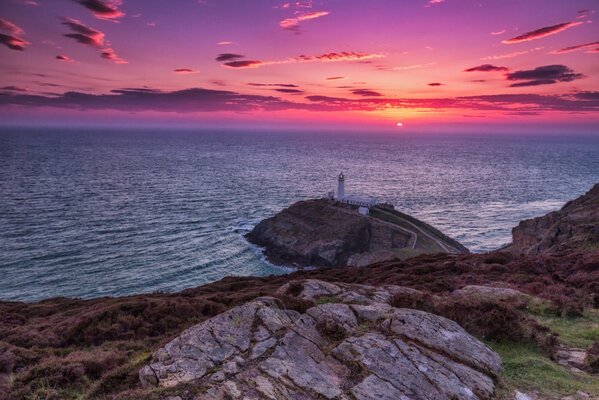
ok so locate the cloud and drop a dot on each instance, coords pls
(285, 85)
(106, 10)
(495, 33)
(332, 78)
(11, 27)
(590, 47)
(14, 89)
(545, 75)
(228, 57)
(293, 23)
(30, 2)
(62, 57)
(225, 43)
(185, 71)
(433, 2)
(485, 68)
(12, 42)
(366, 93)
(244, 64)
(196, 100)
(542, 32)
(511, 55)
(413, 66)
(83, 34)
(342, 56)
(12, 39)
(292, 91)
(327, 57)
(91, 37)
(587, 95)
(109, 54)
(436, 84)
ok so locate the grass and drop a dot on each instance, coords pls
(578, 332)
(527, 369)
(327, 299)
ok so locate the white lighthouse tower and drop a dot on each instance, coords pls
(341, 187)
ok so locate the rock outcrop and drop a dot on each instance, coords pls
(351, 345)
(325, 233)
(574, 226)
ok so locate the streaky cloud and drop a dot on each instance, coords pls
(294, 22)
(542, 32)
(107, 10)
(485, 68)
(366, 93)
(228, 57)
(13, 42)
(590, 47)
(197, 100)
(545, 75)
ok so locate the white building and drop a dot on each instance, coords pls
(353, 200)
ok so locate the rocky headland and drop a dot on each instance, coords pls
(520, 323)
(327, 233)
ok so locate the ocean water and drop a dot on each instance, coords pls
(88, 213)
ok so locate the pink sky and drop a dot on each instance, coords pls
(300, 64)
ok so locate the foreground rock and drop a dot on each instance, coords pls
(353, 346)
(575, 226)
(326, 233)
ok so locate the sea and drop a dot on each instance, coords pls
(89, 212)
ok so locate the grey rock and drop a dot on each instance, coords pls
(364, 350)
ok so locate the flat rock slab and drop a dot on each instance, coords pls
(357, 348)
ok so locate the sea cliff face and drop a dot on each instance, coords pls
(326, 233)
(574, 226)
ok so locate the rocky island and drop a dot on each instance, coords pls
(518, 323)
(329, 233)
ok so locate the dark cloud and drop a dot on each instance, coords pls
(63, 58)
(285, 85)
(13, 42)
(244, 64)
(587, 95)
(292, 91)
(185, 71)
(91, 37)
(589, 47)
(332, 78)
(228, 57)
(14, 89)
(366, 93)
(545, 75)
(542, 32)
(83, 34)
(103, 9)
(110, 54)
(536, 82)
(486, 68)
(207, 100)
(436, 84)
(12, 39)
(11, 27)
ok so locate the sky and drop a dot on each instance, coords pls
(308, 64)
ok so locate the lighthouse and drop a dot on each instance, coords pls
(341, 187)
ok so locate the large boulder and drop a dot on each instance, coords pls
(353, 345)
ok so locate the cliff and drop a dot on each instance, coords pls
(574, 226)
(326, 233)
(432, 326)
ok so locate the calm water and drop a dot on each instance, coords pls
(95, 213)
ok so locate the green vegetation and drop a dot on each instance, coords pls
(578, 332)
(526, 368)
(327, 299)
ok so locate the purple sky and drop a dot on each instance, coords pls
(368, 64)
